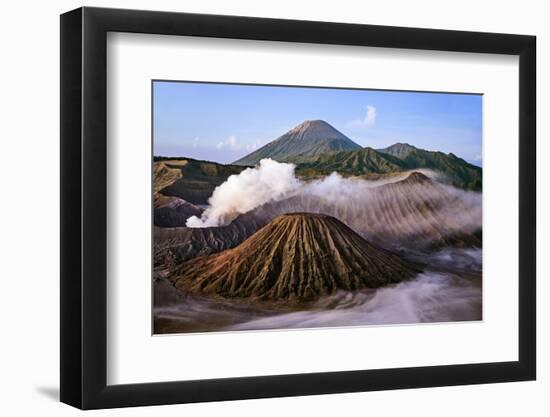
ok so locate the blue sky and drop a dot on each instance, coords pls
(223, 122)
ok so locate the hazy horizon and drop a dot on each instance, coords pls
(224, 122)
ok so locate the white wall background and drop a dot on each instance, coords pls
(29, 295)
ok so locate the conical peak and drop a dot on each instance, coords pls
(298, 256)
(417, 177)
(302, 216)
(318, 128)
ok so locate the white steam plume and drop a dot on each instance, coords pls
(253, 187)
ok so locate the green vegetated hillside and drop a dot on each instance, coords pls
(367, 161)
(360, 162)
(457, 171)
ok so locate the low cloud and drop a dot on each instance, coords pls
(368, 121)
(229, 143)
(232, 143)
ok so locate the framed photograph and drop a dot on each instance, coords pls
(256, 208)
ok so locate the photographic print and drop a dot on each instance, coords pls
(283, 207)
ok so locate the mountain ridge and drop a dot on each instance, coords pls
(317, 148)
(396, 158)
(457, 171)
(357, 162)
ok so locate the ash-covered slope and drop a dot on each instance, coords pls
(415, 213)
(306, 141)
(172, 211)
(296, 257)
(173, 245)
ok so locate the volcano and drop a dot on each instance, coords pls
(296, 257)
(305, 142)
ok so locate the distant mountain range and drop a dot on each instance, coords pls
(319, 149)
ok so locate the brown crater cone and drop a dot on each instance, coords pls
(296, 257)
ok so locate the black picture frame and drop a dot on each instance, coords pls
(84, 207)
